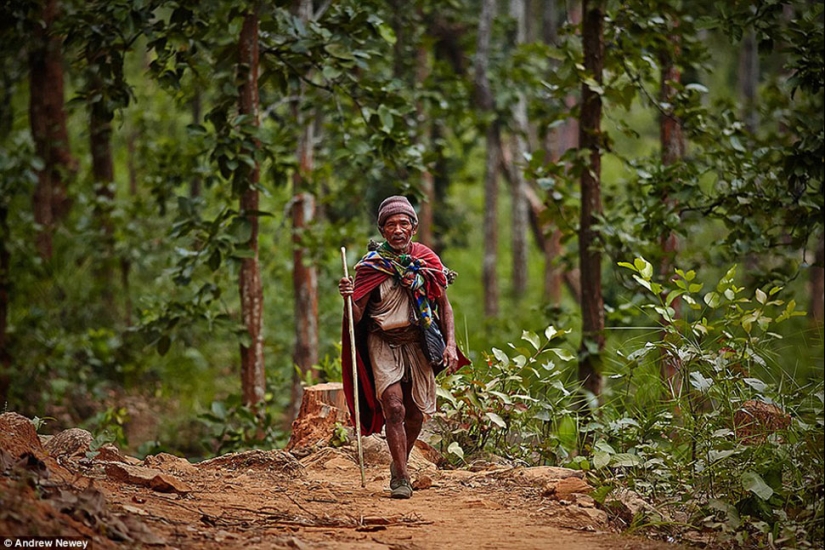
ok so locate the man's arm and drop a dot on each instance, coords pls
(346, 286)
(445, 310)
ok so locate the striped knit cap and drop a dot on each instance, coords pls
(395, 205)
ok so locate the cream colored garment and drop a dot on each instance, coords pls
(389, 362)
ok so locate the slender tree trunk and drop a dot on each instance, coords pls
(817, 283)
(425, 211)
(592, 303)
(749, 79)
(518, 188)
(100, 143)
(47, 117)
(195, 183)
(672, 144)
(253, 377)
(304, 275)
(5, 295)
(558, 140)
(484, 98)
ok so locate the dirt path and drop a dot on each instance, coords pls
(271, 499)
(264, 500)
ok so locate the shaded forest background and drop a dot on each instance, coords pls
(644, 178)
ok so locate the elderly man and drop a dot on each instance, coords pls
(400, 304)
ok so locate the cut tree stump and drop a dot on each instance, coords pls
(322, 407)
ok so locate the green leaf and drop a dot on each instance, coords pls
(761, 297)
(387, 33)
(497, 420)
(164, 344)
(563, 354)
(626, 460)
(700, 382)
(551, 332)
(644, 268)
(600, 459)
(501, 357)
(712, 299)
(753, 482)
(531, 337)
(456, 449)
(756, 384)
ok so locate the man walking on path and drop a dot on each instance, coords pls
(404, 336)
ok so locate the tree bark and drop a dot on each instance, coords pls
(749, 79)
(100, 143)
(47, 117)
(518, 188)
(304, 275)
(5, 295)
(672, 143)
(253, 377)
(817, 283)
(484, 99)
(425, 211)
(557, 141)
(592, 303)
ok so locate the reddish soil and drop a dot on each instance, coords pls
(271, 499)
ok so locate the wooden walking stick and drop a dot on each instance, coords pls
(354, 372)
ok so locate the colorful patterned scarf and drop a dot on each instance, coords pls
(424, 282)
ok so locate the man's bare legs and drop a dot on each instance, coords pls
(403, 424)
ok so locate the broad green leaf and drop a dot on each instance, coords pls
(626, 460)
(551, 332)
(600, 459)
(756, 384)
(753, 482)
(605, 447)
(644, 268)
(761, 297)
(456, 449)
(531, 337)
(563, 354)
(700, 382)
(497, 420)
(716, 456)
(501, 357)
(712, 299)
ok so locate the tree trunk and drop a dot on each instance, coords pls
(100, 143)
(520, 216)
(195, 183)
(672, 143)
(5, 291)
(253, 377)
(749, 79)
(425, 211)
(304, 275)
(47, 118)
(484, 99)
(592, 303)
(558, 140)
(817, 283)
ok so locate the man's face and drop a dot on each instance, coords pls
(398, 230)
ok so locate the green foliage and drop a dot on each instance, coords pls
(516, 406)
(233, 426)
(681, 442)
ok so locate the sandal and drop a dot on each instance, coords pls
(402, 489)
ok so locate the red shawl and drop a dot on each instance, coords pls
(367, 280)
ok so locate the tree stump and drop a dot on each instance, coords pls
(322, 407)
